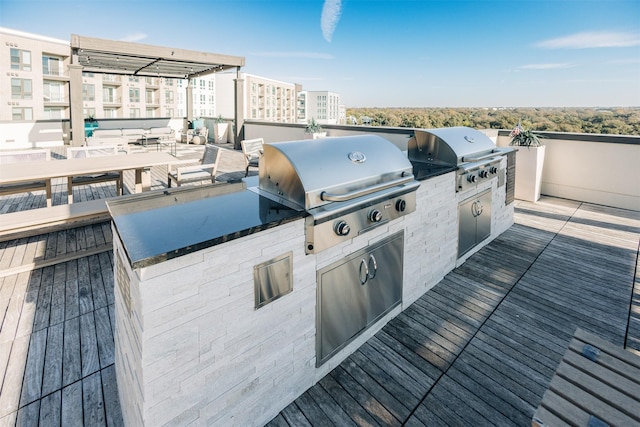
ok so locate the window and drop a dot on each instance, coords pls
(51, 65)
(134, 95)
(203, 99)
(21, 89)
(169, 82)
(20, 60)
(211, 85)
(53, 92)
(168, 97)
(89, 112)
(88, 92)
(53, 113)
(134, 79)
(149, 96)
(134, 113)
(109, 95)
(151, 112)
(21, 113)
(169, 112)
(203, 84)
(110, 113)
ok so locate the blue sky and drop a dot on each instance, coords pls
(387, 53)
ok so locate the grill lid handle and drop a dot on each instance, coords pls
(477, 159)
(328, 197)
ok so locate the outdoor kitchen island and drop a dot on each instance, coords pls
(218, 291)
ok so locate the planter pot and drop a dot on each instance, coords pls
(315, 135)
(220, 131)
(529, 163)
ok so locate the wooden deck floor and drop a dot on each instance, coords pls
(478, 349)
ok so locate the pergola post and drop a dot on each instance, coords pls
(239, 111)
(75, 105)
(189, 103)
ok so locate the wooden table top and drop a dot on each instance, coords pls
(34, 171)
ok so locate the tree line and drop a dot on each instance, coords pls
(618, 121)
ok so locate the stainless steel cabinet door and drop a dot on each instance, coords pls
(355, 292)
(474, 216)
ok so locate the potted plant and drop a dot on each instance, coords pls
(220, 129)
(314, 130)
(90, 123)
(529, 163)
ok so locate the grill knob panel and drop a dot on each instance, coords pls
(342, 228)
(472, 178)
(375, 215)
(401, 205)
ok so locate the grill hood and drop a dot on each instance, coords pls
(312, 173)
(453, 146)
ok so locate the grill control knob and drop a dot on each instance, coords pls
(472, 178)
(375, 215)
(484, 174)
(401, 205)
(342, 228)
(493, 170)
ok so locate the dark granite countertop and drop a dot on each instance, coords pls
(164, 225)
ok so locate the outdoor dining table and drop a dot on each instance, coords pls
(68, 168)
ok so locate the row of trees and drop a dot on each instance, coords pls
(619, 121)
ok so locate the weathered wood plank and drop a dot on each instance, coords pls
(93, 401)
(43, 306)
(12, 384)
(29, 415)
(71, 365)
(72, 413)
(111, 399)
(58, 295)
(32, 382)
(88, 345)
(84, 287)
(104, 337)
(51, 409)
(346, 403)
(294, 416)
(52, 377)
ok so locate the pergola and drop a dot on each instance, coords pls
(135, 59)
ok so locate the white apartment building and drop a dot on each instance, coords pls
(264, 98)
(323, 106)
(34, 77)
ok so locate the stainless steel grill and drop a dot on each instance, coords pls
(473, 153)
(348, 185)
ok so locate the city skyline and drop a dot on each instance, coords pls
(492, 53)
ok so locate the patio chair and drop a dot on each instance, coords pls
(204, 171)
(252, 150)
(94, 151)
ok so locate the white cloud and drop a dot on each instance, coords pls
(303, 55)
(545, 66)
(135, 37)
(592, 39)
(330, 17)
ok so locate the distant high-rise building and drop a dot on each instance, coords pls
(264, 98)
(322, 106)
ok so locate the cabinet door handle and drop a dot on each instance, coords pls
(363, 272)
(372, 266)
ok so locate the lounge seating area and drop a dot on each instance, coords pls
(131, 136)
